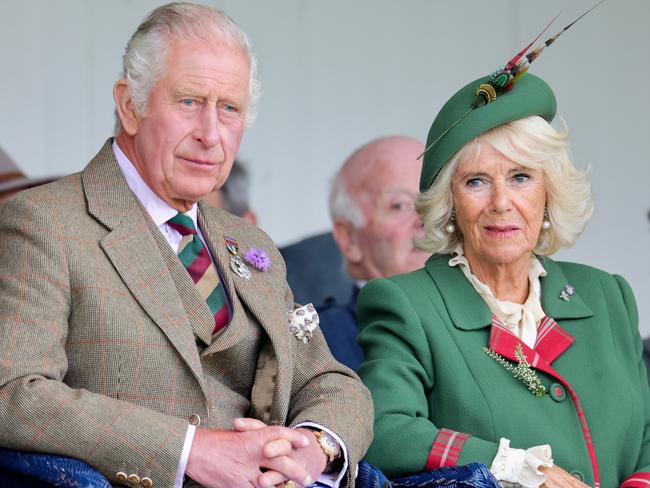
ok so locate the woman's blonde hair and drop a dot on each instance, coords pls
(530, 142)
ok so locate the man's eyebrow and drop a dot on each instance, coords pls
(187, 92)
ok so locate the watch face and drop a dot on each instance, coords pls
(328, 444)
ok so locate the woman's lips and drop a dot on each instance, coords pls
(501, 231)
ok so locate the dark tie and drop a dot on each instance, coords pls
(199, 265)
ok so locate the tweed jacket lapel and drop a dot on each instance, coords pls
(132, 246)
(213, 232)
(258, 294)
(262, 297)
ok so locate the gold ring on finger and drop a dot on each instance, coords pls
(289, 484)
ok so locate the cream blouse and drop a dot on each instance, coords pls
(515, 467)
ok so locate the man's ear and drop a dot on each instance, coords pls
(345, 235)
(124, 107)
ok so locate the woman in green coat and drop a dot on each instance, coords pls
(493, 352)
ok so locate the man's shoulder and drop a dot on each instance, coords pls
(54, 196)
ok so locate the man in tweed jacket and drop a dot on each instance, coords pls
(107, 350)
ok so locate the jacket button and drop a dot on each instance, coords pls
(146, 482)
(195, 420)
(121, 476)
(577, 475)
(134, 479)
(557, 391)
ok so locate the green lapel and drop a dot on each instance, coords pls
(552, 285)
(466, 308)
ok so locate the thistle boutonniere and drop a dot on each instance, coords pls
(523, 372)
(258, 259)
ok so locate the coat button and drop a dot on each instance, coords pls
(146, 482)
(195, 420)
(134, 479)
(577, 475)
(121, 476)
(557, 391)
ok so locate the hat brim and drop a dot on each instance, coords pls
(530, 96)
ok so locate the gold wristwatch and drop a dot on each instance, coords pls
(328, 444)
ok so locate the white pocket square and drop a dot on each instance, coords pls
(303, 321)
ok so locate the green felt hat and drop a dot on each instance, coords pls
(529, 96)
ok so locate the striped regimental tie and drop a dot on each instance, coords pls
(199, 265)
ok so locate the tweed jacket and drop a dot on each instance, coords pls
(106, 348)
(441, 400)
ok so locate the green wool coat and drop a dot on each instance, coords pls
(423, 335)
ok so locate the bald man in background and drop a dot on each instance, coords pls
(374, 225)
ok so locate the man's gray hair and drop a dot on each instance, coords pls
(144, 59)
(342, 204)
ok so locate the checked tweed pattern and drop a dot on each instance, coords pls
(199, 265)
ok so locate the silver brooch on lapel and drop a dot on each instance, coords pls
(567, 292)
(236, 263)
(303, 321)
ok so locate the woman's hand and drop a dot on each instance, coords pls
(556, 477)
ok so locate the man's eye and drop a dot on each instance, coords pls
(188, 102)
(230, 108)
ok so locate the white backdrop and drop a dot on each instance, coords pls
(339, 73)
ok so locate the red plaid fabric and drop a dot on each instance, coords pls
(552, 340)
(637, 480)
(446, 449)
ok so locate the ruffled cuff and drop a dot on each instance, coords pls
(520, 466)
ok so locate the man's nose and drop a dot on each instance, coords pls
(207, 130)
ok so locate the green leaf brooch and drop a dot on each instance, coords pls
(523, 372)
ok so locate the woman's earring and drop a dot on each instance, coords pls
(546, 223)
(450, 227)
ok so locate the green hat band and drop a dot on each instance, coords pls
(530, 96)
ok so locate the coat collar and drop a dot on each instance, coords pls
(259, 293)
(466, 308)
(468, 311)
(552, 285)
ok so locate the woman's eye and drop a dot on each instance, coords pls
(474, 182)
(521, 177)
